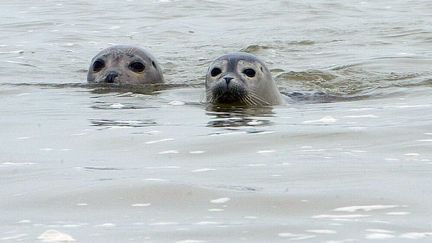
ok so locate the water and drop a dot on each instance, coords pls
(349, 159)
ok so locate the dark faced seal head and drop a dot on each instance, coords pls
(241, 78)
(123, 64)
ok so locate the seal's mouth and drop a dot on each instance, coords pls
(102, 82)
(228, 97)
(234, 93)
(228, 94)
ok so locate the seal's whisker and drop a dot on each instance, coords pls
(251, 100)
(258, 98)
(245, 99)
(210, 96)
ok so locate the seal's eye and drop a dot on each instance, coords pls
(249, 72)
(98, 65)
(215, 72)
(137, 67)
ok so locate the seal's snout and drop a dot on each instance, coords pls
(110, 78)
(228, 80)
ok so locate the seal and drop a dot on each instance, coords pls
(241, 78)
(123, 64)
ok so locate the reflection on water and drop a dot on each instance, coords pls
(122, 123)
(100, 168)
(235, 121)
(108, 106)
(146, 89)
(238, 116)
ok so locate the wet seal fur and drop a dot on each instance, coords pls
(241, 78)
(124, 64)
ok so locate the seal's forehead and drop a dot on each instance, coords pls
(233, 58)
(114, 52)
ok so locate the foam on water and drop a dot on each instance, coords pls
(13, 237)
(163, 223)
(367, 208)
(160, 140)
(416, 235)
(197, 152)
(55, 236)
(324, 120)
(106, 225)
(220, 200)
(141, 204)
(379, 236)
(322, 231)
(169, 152)
(340, 216)
(202, 170)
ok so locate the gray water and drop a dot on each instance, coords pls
(347, 160)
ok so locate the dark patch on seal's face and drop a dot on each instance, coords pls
(124, 65)
(235, 78)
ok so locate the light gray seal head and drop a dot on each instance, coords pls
(241, 78)
(122, 64)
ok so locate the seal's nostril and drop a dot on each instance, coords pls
(110, 78)
(228, 79)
